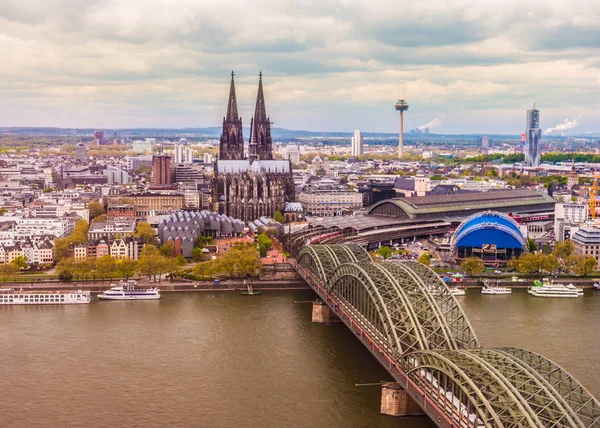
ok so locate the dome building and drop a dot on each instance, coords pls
(491, 236)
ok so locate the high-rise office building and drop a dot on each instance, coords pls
(99, 138)
(188, 155)
(293, 154)
(357, 143)
(178, 154)
(161, 170)
(533, 138)
(81, 152)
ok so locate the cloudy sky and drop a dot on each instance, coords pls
(469, 66)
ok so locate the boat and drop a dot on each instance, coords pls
(8, 296)
(129, 291)
(490, 289)
(457, 291)
(550, 289)
(597, 285)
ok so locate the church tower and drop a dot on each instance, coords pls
(260, 132)
(232, 140)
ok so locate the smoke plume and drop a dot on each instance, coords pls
(562, 127)
(430, 125)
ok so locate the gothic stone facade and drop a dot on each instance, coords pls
(248, 188)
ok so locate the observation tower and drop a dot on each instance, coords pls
(401, 106)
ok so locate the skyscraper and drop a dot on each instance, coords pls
(357, 143)
(99, 138)
(533, 137)
(188, 155)
(161, 170)
(178, 154)
(81, 152)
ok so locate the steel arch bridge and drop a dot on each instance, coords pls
(407, 317)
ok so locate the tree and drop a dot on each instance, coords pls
(531, 245)
(7, 270)
(385, 252)
(513, 264)
(197, 254)
(126, 268)
(472, 266)
(20, 262)
(101, 218)
(278, 217)
(582, 265)
(168, 249)
(424, 258)
(96, 209)
(265, 241)
(146, 232)
(563, 249)
(61, 249)
(79, 234)
(106, 267)
(180, 260)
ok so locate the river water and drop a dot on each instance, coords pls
(209, 359)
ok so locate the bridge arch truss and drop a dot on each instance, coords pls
(410, 314)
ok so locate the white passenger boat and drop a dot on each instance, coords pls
(458, 291)
(597, 285)
(548, 289)
(490, 289)
(129, 291)
(8, 296)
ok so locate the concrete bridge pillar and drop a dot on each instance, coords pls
(396, 402)
(322, 314)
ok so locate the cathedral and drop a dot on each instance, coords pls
(248, 187)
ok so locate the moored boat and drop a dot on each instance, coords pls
(490, 289)
(457, 291)
(549, 289)
(8, 296)
(129, 291)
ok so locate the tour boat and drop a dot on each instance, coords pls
(490, 289)
(129, 291)
(548, 289)
(457, 291)
(8, 296)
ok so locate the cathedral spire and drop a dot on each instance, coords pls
(260, 112)
(261, 127)
(232, 140)
(232, 110)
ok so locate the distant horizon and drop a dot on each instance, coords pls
(278, 129)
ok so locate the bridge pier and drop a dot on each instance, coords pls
(322, 314)
(396, 402)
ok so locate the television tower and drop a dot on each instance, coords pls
(401, 106)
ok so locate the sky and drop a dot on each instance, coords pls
(468, 66)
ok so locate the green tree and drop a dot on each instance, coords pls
(385, 252)
(61, 249)
(96, 209)
(278, 217)
(146, 232)
(79, 234)
(513, 264)
(582, 265)
(126, 268)
(168, 249)
(20, 262)
(425, 258)
(197, 254)
(180, 260)
(7, 270)
(531, 245)
(106, 267)
(472, 266)
(562, 251)
(265, 241)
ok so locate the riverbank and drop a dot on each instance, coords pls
(165, 286)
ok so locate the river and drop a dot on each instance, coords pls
(218, 359)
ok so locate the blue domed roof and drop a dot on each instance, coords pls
(489, 228)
